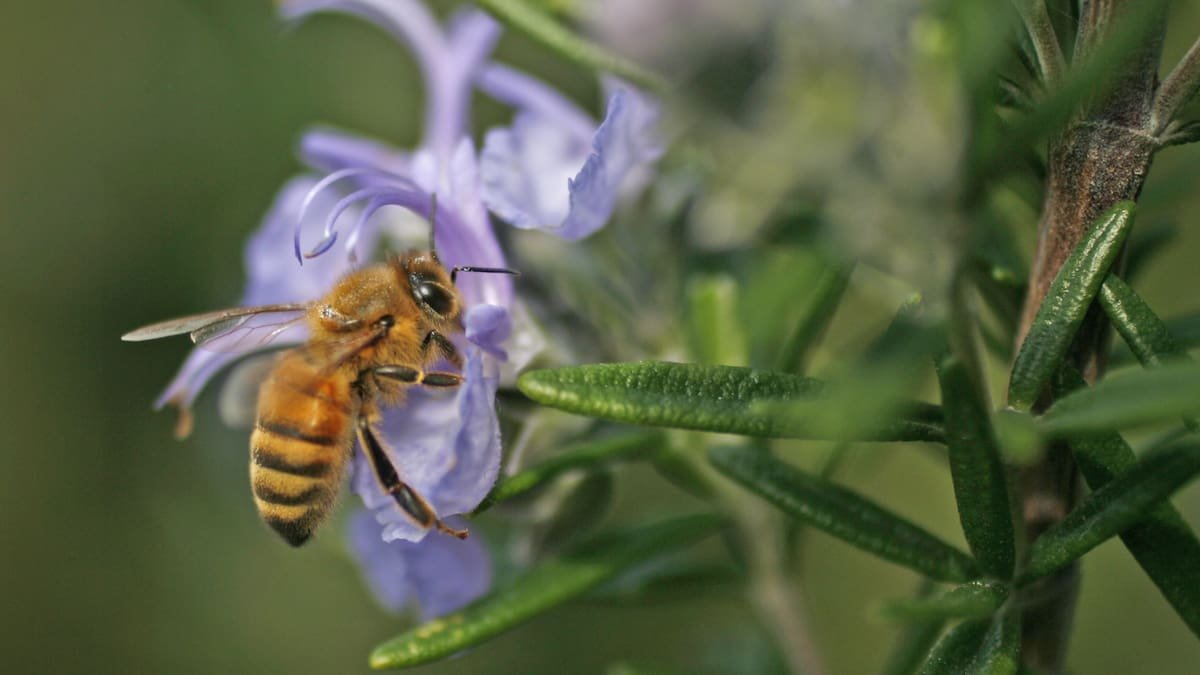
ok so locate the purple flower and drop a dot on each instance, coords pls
(444, 444)
(553, 145)
(440, 574)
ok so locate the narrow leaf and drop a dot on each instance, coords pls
(1000, 653)
(721, 399)
(540, 589)
(1162, 543)
(1065, 305)
(578, 456)
(980, 487)
(972, 600)
(1113, 508)
(540, 26)
(842, 513)
(813, 316)
(1146, 335)
(1127, 399)
(952, 655)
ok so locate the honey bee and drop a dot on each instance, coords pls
(371, 338)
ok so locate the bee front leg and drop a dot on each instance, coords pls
(444, 345)
(409, 500)
(411, 375)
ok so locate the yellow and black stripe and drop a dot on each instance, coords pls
(294, 475)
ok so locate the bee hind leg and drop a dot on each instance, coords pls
(409, 500)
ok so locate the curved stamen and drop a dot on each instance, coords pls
(342, 206)
(412, 200)
(329, 236)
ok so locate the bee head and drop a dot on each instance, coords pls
(432, 288)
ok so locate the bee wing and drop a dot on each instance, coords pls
(235, 330)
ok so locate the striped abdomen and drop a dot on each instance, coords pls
(301, 443)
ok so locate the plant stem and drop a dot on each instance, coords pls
(1102, 157)
(775, 596)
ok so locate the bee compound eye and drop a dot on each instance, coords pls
(435, 297)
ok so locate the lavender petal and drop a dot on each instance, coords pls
(441, 574)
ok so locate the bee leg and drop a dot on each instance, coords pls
(409, 500)
(412, 375)
(444, 345)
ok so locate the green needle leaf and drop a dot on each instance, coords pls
(1000, 653)
(1065, 304)
(1113, 508)
(540, 589)
(980, 487)
(972, 600)
(953, 654)
(722, 399)
(1146, 334)
(578, 456)
(1126, 399)
(842, 513)
(813, 316)
(529, 19)
(1162, 543)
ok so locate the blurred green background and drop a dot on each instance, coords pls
(141, 142)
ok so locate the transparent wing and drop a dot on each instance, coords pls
(235, 330)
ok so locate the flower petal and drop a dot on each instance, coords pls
(488, 326)
(331, 150)
(626, 141)
(524, 168)
(441, 574)
(447, 448)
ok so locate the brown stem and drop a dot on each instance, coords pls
(1102, 157)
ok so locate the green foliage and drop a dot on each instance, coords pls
(585, 455)
(1113, 508)
(1162, 543)
(955, 652)
(552, 583)
(721, 399)
(1000, 652)
(980, 486)
(1126, 400)
(1070, 295)
(532, 20)
(843, 514)
(972, 600)
(1148, 336)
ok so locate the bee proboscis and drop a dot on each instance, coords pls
(372, 336)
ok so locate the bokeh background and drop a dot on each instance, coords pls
(140, 143)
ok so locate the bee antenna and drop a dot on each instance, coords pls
(482, 270)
